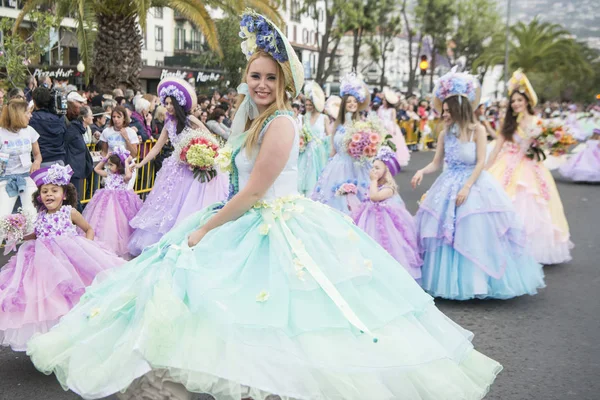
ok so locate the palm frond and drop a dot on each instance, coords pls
(85, 17)
(142, 8)
(29, 6)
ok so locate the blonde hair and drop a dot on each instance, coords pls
(149, 97)
(160, 113)
(14, 115)
(281, 99)
(387, 177)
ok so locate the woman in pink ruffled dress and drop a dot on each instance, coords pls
(387, 114)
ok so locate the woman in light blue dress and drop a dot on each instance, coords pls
(313, 153)
(471, 239)
(271, 293)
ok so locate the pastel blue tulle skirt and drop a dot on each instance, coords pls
(476, 250)
(310, 164)
(339, 170)
(269, 303)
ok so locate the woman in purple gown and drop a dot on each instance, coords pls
(176, 193)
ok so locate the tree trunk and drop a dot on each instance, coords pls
(332, 58)
(412, 68)
(357, 33)
(118, 53)
(324, 45)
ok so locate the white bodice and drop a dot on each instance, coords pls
(286, 183)
(319, 127)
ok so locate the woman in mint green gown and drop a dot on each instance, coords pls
(271, 293)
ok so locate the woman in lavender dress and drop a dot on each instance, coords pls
(176, 193)
(471, 239)
(342, 168)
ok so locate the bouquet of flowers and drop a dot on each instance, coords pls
(306, 137)
(555, 138)
(346, 189)
(551, 138)
(13, 228)
(364, 139)
(198, 150)
(224, 159)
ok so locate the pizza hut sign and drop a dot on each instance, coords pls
(60, 73)
(201, 77)
(207, 77)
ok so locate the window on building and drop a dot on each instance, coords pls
(158, 12)
(159, 63)
(295, 35)
(295, 10)
(196, 39)
(304, 36)
(144, 62)
(158, 38)
(321, 15)
(179, 38)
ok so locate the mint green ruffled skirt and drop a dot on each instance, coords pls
(290, 299)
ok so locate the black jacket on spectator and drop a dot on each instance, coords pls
(78, 155)
(52, 130)
(141, 129)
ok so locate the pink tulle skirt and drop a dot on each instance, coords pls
(392, 226)
(109, 213)
(43, 281)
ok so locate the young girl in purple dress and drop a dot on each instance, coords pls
(111, 208)
(46, 277)
(385, 218)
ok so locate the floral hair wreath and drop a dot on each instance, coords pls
(353, 86)
(174, 91)
(387, 156)
(122, 153)
(459, 84)
(55, 175)
(259, 34)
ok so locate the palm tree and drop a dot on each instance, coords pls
(108, 31)
(536, 47)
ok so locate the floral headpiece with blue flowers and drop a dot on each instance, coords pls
(456, 83)
(259, 33)
(353, 86)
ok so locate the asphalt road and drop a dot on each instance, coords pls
(549, 344)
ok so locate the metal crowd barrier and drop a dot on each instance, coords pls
(144, 178)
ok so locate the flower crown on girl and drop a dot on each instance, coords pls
(459, 84)
(122, 153)
(55, 175)
(388, 157)
(353, 86)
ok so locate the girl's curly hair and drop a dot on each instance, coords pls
(70, 194)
